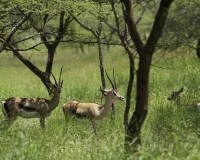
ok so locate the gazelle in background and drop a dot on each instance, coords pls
(175, 96)
(92, 111)
(32, 107)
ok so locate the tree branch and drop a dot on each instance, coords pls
(25, 61)
(43, 37)
(131, 67)
(62, 28)
(95, 33)
(158, 25)
(129, 14)
(121, 36)
(14, 29)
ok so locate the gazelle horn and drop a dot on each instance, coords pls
(60, 74)
(54, 78)
(59, 77)
(114, 79)
(110, 80)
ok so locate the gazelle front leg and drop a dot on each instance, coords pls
(42, 121)
(94, 126)
(66, 114)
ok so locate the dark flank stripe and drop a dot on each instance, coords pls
(78, 115)
(28, 109)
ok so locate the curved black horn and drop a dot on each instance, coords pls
(114, 78)
(110, 80)
(60, 74)
(54, 78)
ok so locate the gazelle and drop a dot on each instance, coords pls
(32, 107)
(176, 97)
(92, 111)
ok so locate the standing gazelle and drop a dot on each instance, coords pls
(92, 111)
(32, 107)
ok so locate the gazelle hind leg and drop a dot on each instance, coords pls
(6, 122)
(9, 116)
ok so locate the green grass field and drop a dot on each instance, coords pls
(169, 132)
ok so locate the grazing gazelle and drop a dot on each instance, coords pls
(92, 111)
(32, 107)
(176, 97)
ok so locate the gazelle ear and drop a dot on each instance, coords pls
(103, 91)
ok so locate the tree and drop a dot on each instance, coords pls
(27, 19)
(145, 53)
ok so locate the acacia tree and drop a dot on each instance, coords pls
(27, 20)
(35, 20)
(145, 52)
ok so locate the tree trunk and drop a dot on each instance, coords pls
(134, 127)
(198, 48)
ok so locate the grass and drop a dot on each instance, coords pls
(169, 132)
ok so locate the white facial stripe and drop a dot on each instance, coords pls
(115, 94)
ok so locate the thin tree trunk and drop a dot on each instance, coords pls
(133, 129)
(141, 110)
(198, 48)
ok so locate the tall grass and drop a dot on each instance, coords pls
(169, 132)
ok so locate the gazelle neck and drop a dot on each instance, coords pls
(105, 108)
(53, 102)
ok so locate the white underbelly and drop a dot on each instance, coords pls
(24, 114)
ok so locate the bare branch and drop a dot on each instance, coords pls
(34, 24)
(43, 37)
(132, 25)
(44, 22)
(158, 25)
(84, 26)
(140, 16)
(123, 40)
(62, 14)
(62, 28)
(25, 61)
(14, 29)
